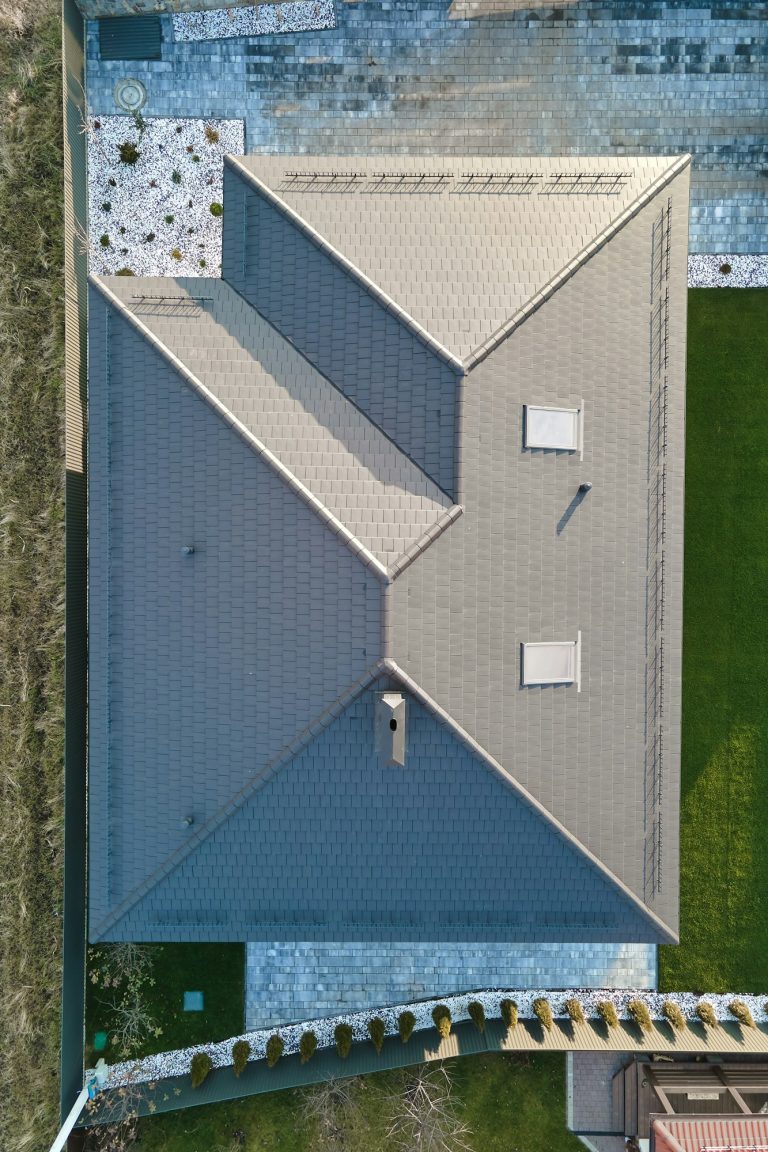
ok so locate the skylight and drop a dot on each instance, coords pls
(557, 662)
(552, 427)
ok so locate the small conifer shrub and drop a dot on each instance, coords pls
(125, 272)
(275, 1049)
(638, 1010)
(342, 1034)
(176, 176)
(216, 209)
(672, 1012)
(607, 1013)
(203, 263)
(406, 1022)
(575, 1011)
(307, 1046)
(441, 1014)
(128, 152)
(543, 1011)
(104, 240)
(241, 1050)
(706, 1013)
(742, 1013)
(477, 1015)
(169, 219)
(200, 1067)
(508, 1011)
(195, 159)
(726, 269)
(377, 1030)
(176, 253)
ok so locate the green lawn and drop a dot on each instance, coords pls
(216, 970)
(724, 819)
(511, 1104)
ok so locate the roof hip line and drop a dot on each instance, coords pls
(351, 541)
(351, 269)
(544, 294)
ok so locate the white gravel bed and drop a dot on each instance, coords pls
(177, 1063)
(259, 20)
(745, 272)
(153, 224)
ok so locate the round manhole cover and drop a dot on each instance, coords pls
(130, 94)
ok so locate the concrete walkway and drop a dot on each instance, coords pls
(287, 982)
(585, 77)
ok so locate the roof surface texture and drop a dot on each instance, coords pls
(308, 484)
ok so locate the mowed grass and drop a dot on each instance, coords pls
(31, 570)
(216, 970)
(511, 1104)
(724, 818)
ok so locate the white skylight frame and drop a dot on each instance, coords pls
(551, 662)
(553, 427)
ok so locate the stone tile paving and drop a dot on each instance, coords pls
(589, 77)
(591, 1078)
(286, 982)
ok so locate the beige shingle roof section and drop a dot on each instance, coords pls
(333, 456)
(462, 250)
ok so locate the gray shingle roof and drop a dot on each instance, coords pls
(218, 677)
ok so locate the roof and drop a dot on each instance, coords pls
(295, 500)
(460, 246)
(710, 1134)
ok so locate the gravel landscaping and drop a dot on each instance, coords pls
(259, 20)
(739, 271)
(177, 1063)
(157, 211)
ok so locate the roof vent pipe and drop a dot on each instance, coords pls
(390, 727)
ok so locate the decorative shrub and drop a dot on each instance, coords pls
(203, 263)
(150, 236)
(607, 1013)
(179, 129)
(342, 1034)
(241, 1050)
(543, 1011)
(125, 272)
(706, 1013)
(112, 182)
(211, 134)
(377, 1030)
(406, 1022)
(106, 206)
(169, 219)
(176, 253)
(190, 231)
(122, 230)
(672, 1012)
(742, 1013)
(195, 159)
(508, 1011)
(441, 1014)
(216, 209)
(275, 1049)
(129, 153)
(307, 1046)
(200, 1067)
(477, 1015)
(726, 269)
(97, 124)
(190, 147)
(575, 1011)
(638, 1010)
(176, 176)
(104, 241)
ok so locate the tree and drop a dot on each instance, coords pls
(423, 1117)
(333, 1111)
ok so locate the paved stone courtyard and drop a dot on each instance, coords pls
(584, 77)
(292, 982)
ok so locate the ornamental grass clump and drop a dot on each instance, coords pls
(508, 1012)
(706, 1013)
(441, 1014)
(406, 1022)
(211, 134)
(575, 1011)
(477, 1014)
(607, 1013)
(742, 1013)
(307, 1046)
(542, 1010)
(274, 1050)
(672, 1012)
(342, 1034)
(241, 1050)
(200, 1067)
(128, 152)
(377, 1030)
(638, 1010)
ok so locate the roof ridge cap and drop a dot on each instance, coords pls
(280, 760)
(346, 265)
(331, 521)
(534, 303)
(419, 546)
(393, 669)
